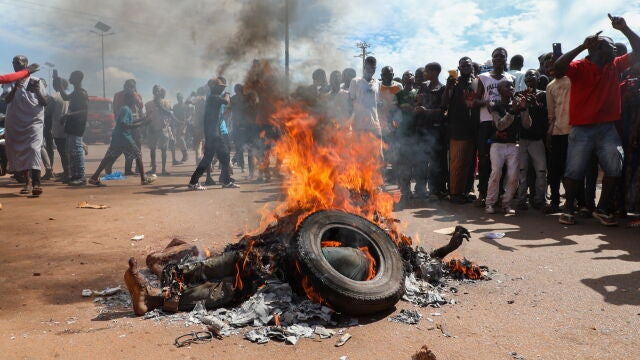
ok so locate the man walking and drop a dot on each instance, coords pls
(214, 142)
(75, 124)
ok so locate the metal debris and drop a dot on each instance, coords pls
(410, 317)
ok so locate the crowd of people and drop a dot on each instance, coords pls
(519, 134)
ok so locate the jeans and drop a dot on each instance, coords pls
(501, 154)
(429, 167)
(534, 150)
(557, 161)
(75, 152)
(485, 131)
(602, 139)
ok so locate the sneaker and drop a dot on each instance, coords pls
(489, 209)
(147, 181)
(196, 186)
(508, 210)
(230, 185)
(95, 182)
(604, 217)
(567, 219)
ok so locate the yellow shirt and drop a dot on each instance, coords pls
(558, 95)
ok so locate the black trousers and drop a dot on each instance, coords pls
(214, 146)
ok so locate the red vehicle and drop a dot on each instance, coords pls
(100, 120)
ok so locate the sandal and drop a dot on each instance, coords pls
(37, 191)
(96, 182)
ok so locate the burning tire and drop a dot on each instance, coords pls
(383, 283)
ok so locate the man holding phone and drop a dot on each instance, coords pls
(594, 107)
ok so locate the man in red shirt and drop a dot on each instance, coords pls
(594, 107)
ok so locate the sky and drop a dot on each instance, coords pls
(181, 44)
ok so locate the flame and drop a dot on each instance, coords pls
(207, 253)
(309, 291)
(330, 243)
(465, 267)
(371, 272)
(238, 283)
(276, 319)
(338, 170)
(241, 265)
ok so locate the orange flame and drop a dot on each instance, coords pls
(465, 268)
(339, 170)
(330, 243)
(276, 319)
(309, 291)
(207, 253)
(371, 272)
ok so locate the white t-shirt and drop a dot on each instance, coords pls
(365, 95)
(491, 92)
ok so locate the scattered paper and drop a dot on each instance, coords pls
(86, 292)
(494, 235)
(446, 231)
(343, 339)
(137, 237)
(87, 205)
(108, 291)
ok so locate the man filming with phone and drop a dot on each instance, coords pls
(594, 106)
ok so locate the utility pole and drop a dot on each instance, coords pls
(103, 28)
(286, 45)
(362, 45)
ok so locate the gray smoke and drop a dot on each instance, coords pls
(191, 41)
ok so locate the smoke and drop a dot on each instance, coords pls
(182, 44)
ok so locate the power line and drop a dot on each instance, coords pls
(362, 45)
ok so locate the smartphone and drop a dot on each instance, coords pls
(557, 50)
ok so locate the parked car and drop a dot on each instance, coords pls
(100, 120)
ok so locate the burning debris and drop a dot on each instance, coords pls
(331, 247)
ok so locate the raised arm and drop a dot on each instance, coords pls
(620, 24)
(9, 78)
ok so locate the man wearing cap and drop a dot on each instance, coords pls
(214, 143)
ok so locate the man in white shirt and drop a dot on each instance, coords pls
(364, 93)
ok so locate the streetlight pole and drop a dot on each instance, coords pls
(50, 66)
(103, 28)
(286, 44)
